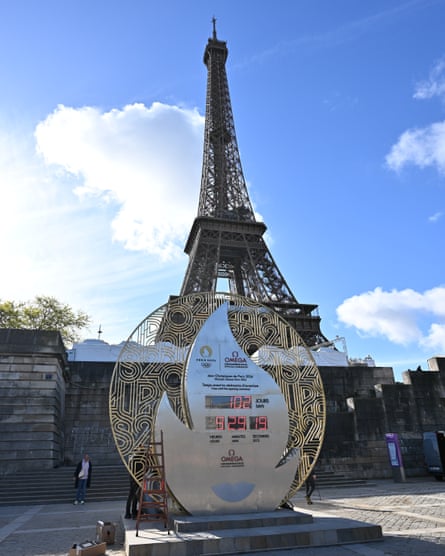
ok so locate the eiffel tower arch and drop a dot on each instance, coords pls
(226, 241)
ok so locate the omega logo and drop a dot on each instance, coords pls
(231, 457)
(235, 358)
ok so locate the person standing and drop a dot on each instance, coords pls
(131, 509)
(82, 477)
(310, 486)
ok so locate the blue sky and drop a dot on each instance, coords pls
(340, 120)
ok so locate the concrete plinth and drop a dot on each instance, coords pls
(211, 535)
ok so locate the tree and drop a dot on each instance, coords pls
(44, 313)
(10, 315)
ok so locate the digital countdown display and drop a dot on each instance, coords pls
(236, 423)
(231, 421)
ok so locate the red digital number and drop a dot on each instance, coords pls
(236, 423)
(220, 422)
(240, 402)
(261, 423)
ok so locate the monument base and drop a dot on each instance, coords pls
(243, 533)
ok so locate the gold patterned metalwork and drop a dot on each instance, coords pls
(153, 361)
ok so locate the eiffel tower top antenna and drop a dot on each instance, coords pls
(226, 241)
(214, 27)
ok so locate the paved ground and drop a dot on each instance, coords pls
(412, 516)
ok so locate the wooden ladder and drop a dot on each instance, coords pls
(153, 498)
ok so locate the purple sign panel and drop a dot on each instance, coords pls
(393, 445)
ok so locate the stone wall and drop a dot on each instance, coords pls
(354, 443)
(364, 403)
(32, 399)
(87, 424)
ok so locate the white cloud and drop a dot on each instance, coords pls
(434, 85)
(421, 147)
(398, 315)
(435, 338)
(435, 217)
(144, 161)
(131, 175)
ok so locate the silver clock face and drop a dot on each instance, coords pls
(236, 394)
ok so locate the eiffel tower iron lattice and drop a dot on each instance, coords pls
(226, 241)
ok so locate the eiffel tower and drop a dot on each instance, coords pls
(226, 241)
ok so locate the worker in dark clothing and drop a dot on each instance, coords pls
(310, 486)
(131, 510)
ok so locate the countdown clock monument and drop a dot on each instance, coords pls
(227, 377)
(237, 395)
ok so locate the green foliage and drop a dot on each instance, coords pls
(44, 313)
(10, 315)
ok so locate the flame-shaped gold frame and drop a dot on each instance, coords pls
(153, 362)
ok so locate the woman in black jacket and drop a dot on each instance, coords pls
(82, 477)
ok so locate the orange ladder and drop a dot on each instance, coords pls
(153, 498)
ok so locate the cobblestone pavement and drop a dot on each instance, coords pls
(411, 514)
(52, 529)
